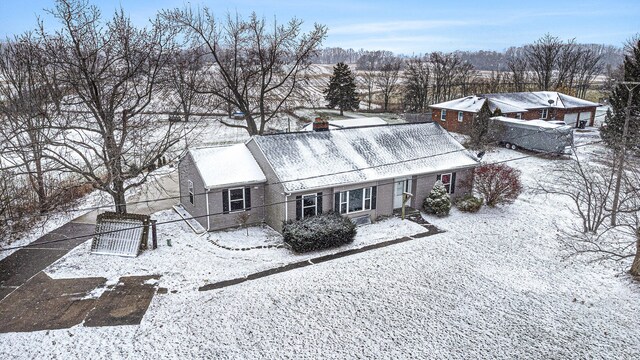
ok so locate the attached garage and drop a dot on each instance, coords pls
(586, 116)
(571, 119)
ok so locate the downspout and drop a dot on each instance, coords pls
(286, 206)
(206, 194)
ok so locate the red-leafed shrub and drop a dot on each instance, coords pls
(498, 184)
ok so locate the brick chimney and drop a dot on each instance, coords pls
(320, 124)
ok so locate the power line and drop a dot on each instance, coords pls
(267, 205)
(323, 175)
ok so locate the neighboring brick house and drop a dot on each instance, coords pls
(358, 172)
(457, 115)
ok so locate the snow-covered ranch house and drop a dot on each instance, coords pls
(457, 115)
(361, 172)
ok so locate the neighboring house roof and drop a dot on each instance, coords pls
(313, 160)
(516, 102)
(354, 122)
(227, 166)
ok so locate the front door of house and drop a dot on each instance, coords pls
(400, 186)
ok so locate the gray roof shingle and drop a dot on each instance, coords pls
(314, 160)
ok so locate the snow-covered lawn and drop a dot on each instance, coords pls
(493, 286)
(194, 260)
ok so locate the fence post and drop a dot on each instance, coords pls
(154, 237)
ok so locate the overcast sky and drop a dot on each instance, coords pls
(408, 27)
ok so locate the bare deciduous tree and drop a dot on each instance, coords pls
(387, 81)
(542, 57)
(418, 76)
(185, 71)
(110, 72)
(590, 187)
(257, 66)
(25, 112)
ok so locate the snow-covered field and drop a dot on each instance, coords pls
(493, 286)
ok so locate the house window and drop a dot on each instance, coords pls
(443, 114)
(518, 115)
(356, 200)
(191, 194)
(309, 205)
(544, 113)
(460, 116)
(236, 199)
(449, 181)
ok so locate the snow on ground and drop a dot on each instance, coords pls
(493, 286)
(193, 260)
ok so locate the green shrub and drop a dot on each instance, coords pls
(469, 203)
(438, 202)
(318, 232)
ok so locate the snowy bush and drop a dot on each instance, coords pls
(438, 202)
(318, 232)
(469, 203)
(498, 184)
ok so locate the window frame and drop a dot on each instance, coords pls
(443, 114)
(314, 196)
(192, 195)
(344, 200)
(544, 113)
(244, 200)
(447, 186)
(460, 116)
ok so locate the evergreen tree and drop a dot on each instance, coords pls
(480, 127)
(614, 129)
(438, 202)
(342, 89)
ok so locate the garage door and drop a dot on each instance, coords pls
(586, 116)
(571, 119)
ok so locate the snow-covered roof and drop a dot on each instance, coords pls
(227, 166)
(313, 160)
(346, 123)
(538, 123)
(516, 102)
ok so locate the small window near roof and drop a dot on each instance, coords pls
(460, 116)
(443, 114)
(518, 115)
(544, 113)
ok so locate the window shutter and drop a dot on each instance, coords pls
(374, 191)
(438, 178)
(319, 203)
(247, 198)
(225, 201)
(298, 207)
(336, 202)
(453, 182)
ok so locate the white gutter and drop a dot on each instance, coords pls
(286, 206)
(206, 194)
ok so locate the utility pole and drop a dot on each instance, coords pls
(630, 85)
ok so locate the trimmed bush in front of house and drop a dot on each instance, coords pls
(469, 203)
(438, 202)
(318, 232)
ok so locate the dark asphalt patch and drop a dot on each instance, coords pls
(125, 304)
(43, 303)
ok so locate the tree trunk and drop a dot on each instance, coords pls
(341, 112)
(635, 267)
(118, 197)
